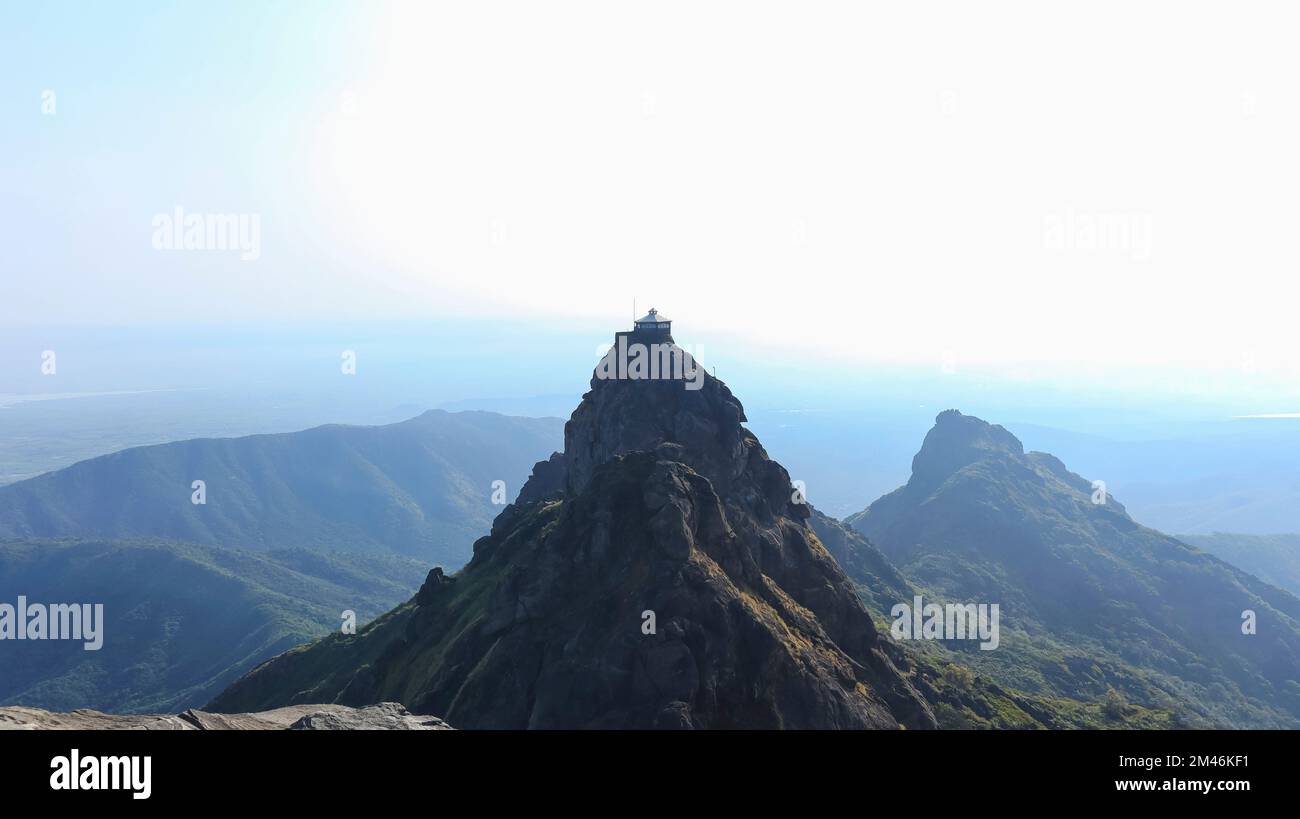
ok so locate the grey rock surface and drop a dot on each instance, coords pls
(385, 716)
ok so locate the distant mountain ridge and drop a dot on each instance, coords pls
(297, 528)
(1272, 558)
(422, 487)
(1230, 476)
(1091, 601)
(180, 620)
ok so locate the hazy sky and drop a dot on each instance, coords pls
(1104, 185)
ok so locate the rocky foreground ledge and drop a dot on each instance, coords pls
(386, 716)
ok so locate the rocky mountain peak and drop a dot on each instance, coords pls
(657, 573)
(694, 420)
(679, 405)
(956, 441)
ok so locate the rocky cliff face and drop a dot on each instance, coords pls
(655, 574)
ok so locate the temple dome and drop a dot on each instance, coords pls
(653, 318)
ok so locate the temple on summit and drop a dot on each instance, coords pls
(648, 352)
(653, 325)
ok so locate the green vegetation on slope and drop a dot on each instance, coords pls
(181, 620)
(961, 697)
(1272, 558)
(1090, 601)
